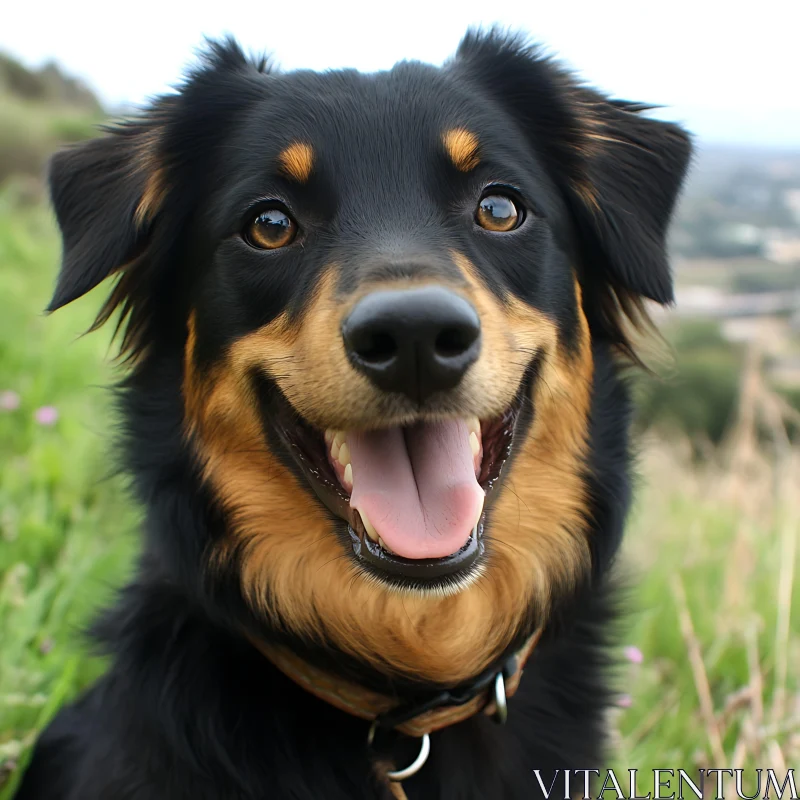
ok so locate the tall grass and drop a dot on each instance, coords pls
(713, 553)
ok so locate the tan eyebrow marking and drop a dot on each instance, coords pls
(297, 160)
(462, 147)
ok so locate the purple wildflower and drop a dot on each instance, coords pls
(634, 654)
(46, 415)
(9, 401)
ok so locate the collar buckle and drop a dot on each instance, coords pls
(500, 715)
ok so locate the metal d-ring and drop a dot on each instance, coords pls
(501, 706)
(415, 766)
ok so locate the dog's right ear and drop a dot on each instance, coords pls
(106, 194)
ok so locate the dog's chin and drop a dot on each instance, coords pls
(451, 553)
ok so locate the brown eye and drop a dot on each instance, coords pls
(271, 229)
(496, 212)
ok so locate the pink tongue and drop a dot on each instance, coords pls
(417, 486)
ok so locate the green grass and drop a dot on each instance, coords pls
(66, 541)
(723, 538)
(65, 526)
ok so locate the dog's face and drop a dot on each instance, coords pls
(385, 291)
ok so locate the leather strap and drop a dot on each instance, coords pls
(448, 708)
(395, 788)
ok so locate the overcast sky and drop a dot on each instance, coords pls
(730, 71)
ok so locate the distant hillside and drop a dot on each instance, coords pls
(40, 110)
(713, 165)
(47, 85)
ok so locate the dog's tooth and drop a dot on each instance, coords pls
(371, 532)
(348, 476)
(474, 444)
(344, 454)
(329, 434)
(385, 546)
(338, 438)
(473, 425)
(480, 512)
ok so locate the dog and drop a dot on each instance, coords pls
(378, 329)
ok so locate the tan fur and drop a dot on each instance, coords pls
(586, 191)
(462, 147)
(625, 312)
(295, 567)
(152, 198)
(316, 377)
(593, 137)
(297, 160)
(192, 396)
(155, 189)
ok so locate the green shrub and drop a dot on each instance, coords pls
(699, 395)
(698, 400)
(72, 128)
(40, 110)
(31, 132)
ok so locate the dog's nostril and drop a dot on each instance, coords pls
(377, 348)
(454, 341)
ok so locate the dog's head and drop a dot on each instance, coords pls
(386, 292)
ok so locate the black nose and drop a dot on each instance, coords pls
(414, 341)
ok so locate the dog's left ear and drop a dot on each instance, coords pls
(624, 191)
(621, 172)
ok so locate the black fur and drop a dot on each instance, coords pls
(189, 709)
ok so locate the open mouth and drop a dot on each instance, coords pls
(414, 497)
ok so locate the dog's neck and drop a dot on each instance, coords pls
(415, 717)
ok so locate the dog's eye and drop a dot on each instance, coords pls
(272, 228)
(498, 212)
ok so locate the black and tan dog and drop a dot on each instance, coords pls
(375, 416)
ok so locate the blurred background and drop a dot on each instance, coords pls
(708, 656)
